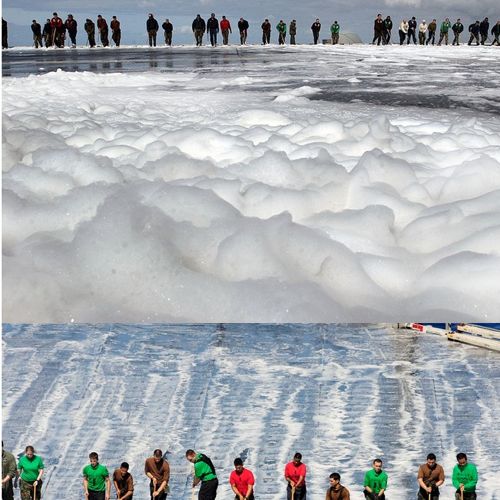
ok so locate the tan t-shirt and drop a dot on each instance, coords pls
(430, 475)
(160, 471)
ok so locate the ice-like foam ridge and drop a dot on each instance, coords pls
(166, 197)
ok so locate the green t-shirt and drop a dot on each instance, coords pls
(30, 468)
(376, 481)
(202, 470)
(466, 475)
(96, 476)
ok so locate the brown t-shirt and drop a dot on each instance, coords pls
(160, 471)
(125, 482)
(341, 493)
(430, 475)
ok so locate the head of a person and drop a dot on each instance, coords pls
(34, 21)
(461, 458)
(150, 15)
(317, 20)
(48, 20)
(388, 17)
(70, 16)
(297, 458)
(447, 20)
(477, 22)
(198, 16)
(431, 460)
(212, 15)
(377, 465)
(223, 17)
(167, 20)
(54, 14)
(190, 455)
(433, 20)
(114, 17)
(458, 20)
(99, 16)
(294, 21)
(124, 467)
(94, 458)
(266, 20)
(238, 465)
(29, 451)
(158, 455)
(379, 16)
(485, 18)
(413, 18)
(334, 479)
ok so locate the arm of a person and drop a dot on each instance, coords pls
(86, 486)
(299, 481)
(40, 474)
(440, 480)
(235, 491)
(108, 487)
(249, 490)
(117, 488)
(365, 484)
(454, 478)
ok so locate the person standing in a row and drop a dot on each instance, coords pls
(225, 29)
(483, 30)
(57, 30)
(281, 27)
(266, 32)
(243, 29)
(335, 30)
(375, 482)
(432, 32)
(116, 32)
(5, 42)
(9, 471)
(37, 34)
(123, 482)
(412, 28)
(495, 31)
(96, 483)
(158, 471)
(387, 30)
(168, 29)
(337, 491)
(89, 28)
(457, 28)
(152, 29)
(316, 28)
(102, 26)
(464, 478)
(474, 32)
(422, 30)
(295, 474)
(430, 477)
(403, 31)
(198, 28)
(30, 467)
(378, 29)
(445, 27)
(242, 481)
(293, 31)
(213, 29)
(71, 25)
(204, 473)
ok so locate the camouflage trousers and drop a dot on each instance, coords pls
(27, 490)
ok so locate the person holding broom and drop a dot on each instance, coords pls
(430, 478)
(295, 474)
(464, 478)
(30, 467)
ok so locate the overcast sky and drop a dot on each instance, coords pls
(353, 15)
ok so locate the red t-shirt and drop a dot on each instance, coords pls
(241, 481)
(294, 472)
